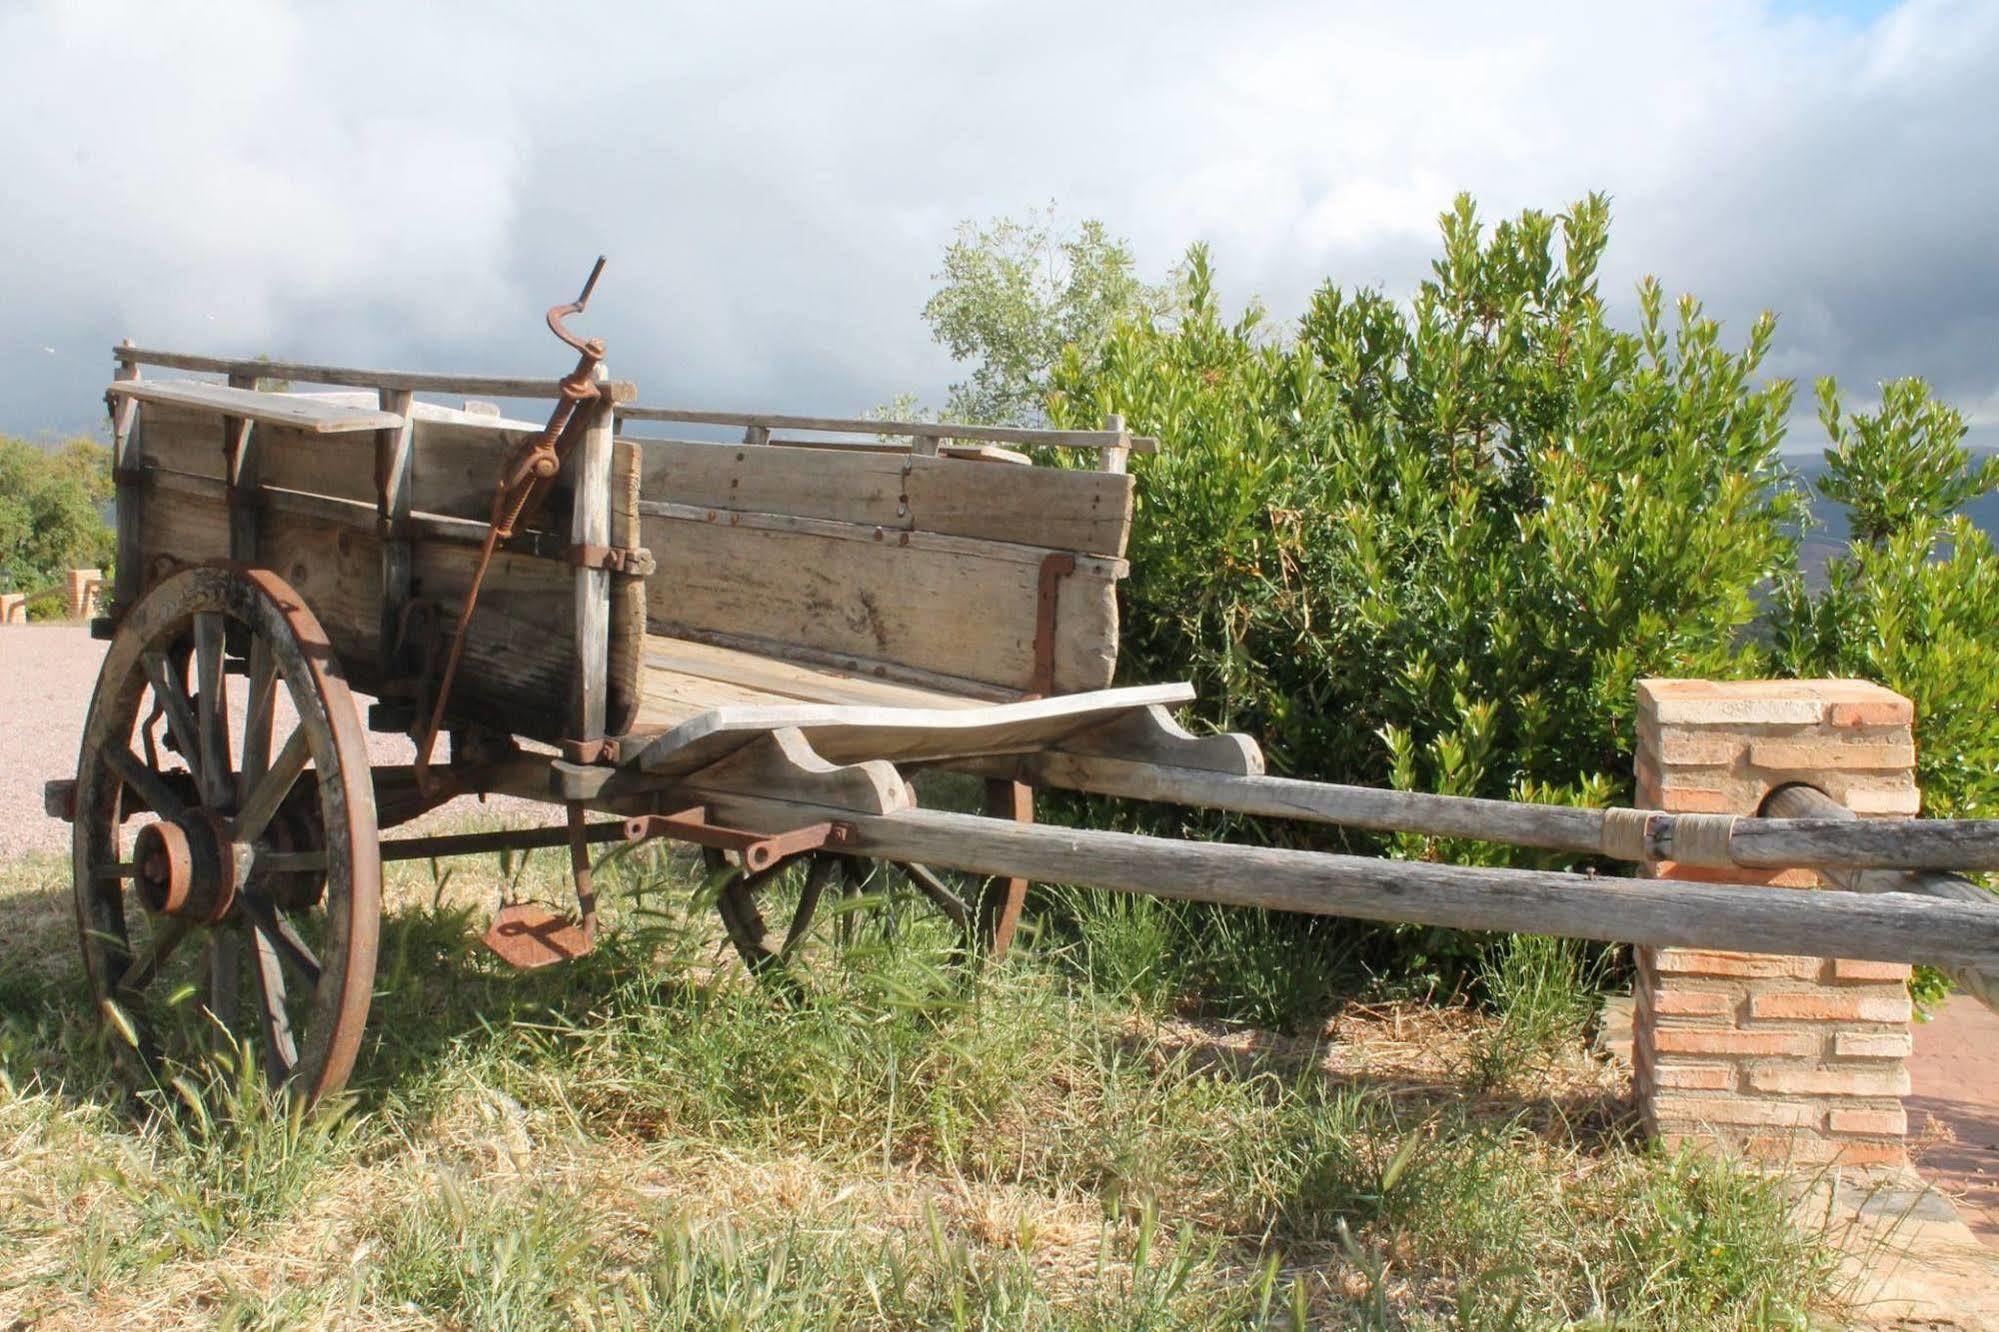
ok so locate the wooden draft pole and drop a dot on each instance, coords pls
(1886, 927)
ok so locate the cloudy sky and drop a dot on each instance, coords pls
(411, 184)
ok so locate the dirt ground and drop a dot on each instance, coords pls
(49, 671)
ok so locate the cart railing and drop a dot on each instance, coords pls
(399, 381)
(1113, 443)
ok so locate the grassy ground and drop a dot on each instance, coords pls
(645, 1138)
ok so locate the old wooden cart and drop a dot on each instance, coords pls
(750, 646)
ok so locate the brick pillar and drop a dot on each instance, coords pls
(1777, 1058)
(13, 608)
(83, 587)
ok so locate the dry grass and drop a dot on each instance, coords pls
(645, 1139)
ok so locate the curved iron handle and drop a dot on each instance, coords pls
(557, 313)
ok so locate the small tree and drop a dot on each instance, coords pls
(1014, 294)
(51, 511)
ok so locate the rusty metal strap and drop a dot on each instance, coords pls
(759, 850)
(603, 750)
(634, 560)
(1048, 593)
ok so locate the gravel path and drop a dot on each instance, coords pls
(49, 672)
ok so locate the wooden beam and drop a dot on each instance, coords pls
(1890, 927)
(240, 398)
(590, 525)
(1799, 804)
(243, 468)
(921, 430)
(128, 483)
(485, 386)
(393, 457)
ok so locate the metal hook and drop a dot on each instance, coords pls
(593, 347)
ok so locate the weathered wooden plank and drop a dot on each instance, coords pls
(482, 386)
(455, 466)
(920, 430)
(850, 734)
(789, 680)
(1890, 927)
(940, 605)
(855, 487)
(301, 413)
(127, 452)
(1095, 566)
(519, 658)
(590, 525)
(393, 449)
(1826, 839)
(242, 452)
(1056, 508)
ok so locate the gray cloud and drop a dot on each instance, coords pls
(410, 185)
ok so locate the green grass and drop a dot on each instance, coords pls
(642, 1139)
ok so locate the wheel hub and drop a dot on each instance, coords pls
(187, 867)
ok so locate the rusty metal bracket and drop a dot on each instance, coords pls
(1047, 598)
(759, 850)
(604, 750)
(635, 560)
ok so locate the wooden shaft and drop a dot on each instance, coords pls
(1889, 927)
(1809, 803)
(1815, 841)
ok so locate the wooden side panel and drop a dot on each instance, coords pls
(342, 466)
(953, 613)
(335, 567)
(1056, 508)
(1059, 508)
(520, 654)
(455, 467)
(181, 439)
(863, 488)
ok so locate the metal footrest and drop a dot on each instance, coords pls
(528, 935)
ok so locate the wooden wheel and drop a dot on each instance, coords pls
(244, 906)
(981, 912)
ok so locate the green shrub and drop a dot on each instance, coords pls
(1436, 545)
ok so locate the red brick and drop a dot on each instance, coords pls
(1697, 962)
(1695, 1040)
(1832, 1006)
(1864, 1153)
(1698, 800)
(1694, 1077)
(1873, 1044)
(1818, 755)
(1895, 711)
(1853, 969)
(1853, 1081)
(1677, 1002)
(1872, 1123)
(1735, 1110)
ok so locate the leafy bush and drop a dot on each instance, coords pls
(1436, 545)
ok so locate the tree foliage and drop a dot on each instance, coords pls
(52, 511)
(1015, 293)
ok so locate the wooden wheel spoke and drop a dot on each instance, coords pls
(940, 894)
(258, 714)
(145, 968)
(217, 786)
(225, 973)
(274, 929)
(170, 697)
(150, 785)
(271, 789)
(279, 1044)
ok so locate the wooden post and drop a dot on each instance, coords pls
(128, 580)
(1796, 1056)
(394, 448)
(1115, 457)
(590, 525)
(241, 467)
